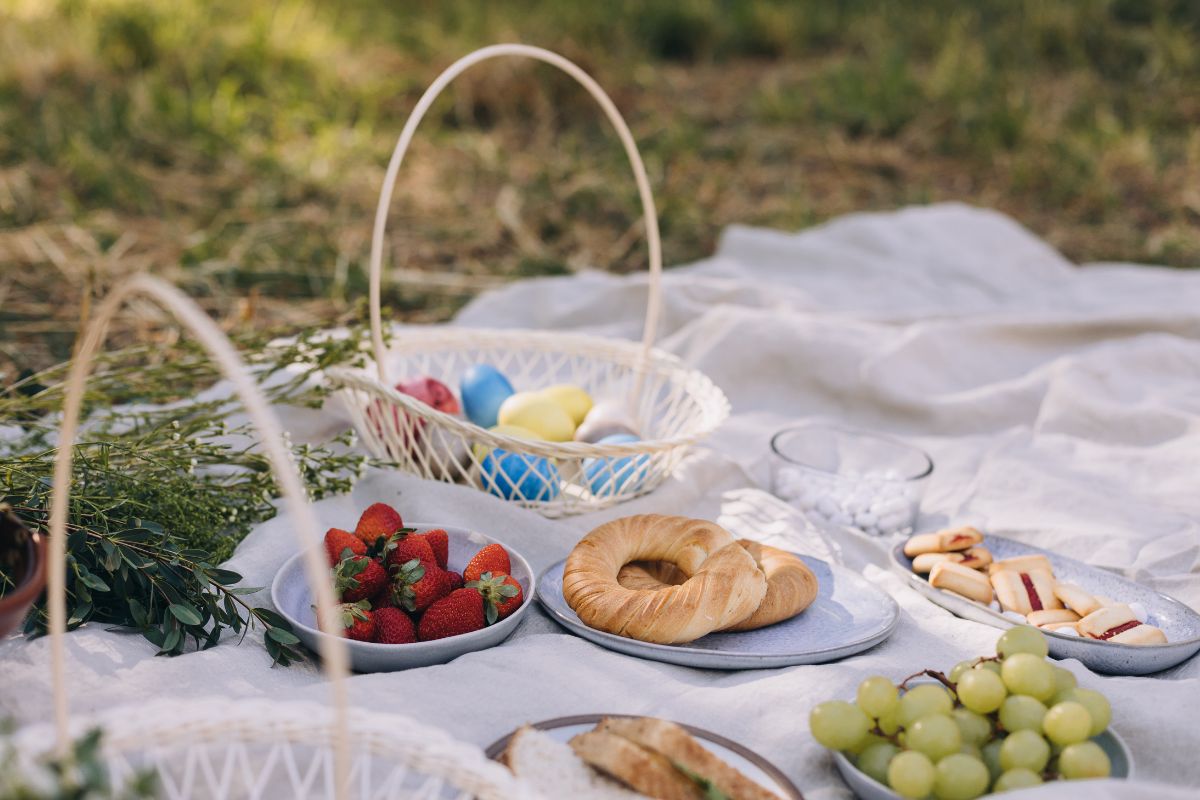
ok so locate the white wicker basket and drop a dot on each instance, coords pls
(228, 748)
(672, 405)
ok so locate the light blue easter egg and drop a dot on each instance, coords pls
(483, 389)
(516, 476)
(607, 476)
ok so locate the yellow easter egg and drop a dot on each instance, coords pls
(574, 400)
(481, 450)
(533, 411)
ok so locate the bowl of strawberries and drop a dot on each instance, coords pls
(411, 595)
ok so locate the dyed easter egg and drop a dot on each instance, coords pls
(483, 390)
(607, 476)
(407, 428)
(517, 476)
(518, 432)
(534, 412)
(605, 419)
(431, 392)
(574, 400)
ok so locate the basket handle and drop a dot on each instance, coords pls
(333, 650)
(653, 240)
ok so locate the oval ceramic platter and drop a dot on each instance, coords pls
(848, 616)
(1179, 622)
(744, 760)
(293, 599)
(867, 788)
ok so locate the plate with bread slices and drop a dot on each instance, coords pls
(684, 591)
(619, 757)
(1111, 624)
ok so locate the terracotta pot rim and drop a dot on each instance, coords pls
(34, 579)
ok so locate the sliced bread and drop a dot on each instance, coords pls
(552, 769)
(644, 770)
(681, 749)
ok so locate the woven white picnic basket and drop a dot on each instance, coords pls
(224, 748)
(672, 405)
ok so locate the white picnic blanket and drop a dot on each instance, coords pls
(1061, 405)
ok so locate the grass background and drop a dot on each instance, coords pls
(237, 146)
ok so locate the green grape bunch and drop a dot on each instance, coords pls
(994, 724)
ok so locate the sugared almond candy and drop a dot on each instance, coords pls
(1076, 598)
(1051, 616)
(1025, 592)
(976, 558)
(942, 541)
(924, 562)
(1021, 564)
(956, 578)
(1118, 624)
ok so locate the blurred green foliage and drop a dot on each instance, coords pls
(245, 140)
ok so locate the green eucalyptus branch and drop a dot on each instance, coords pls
(163, 492)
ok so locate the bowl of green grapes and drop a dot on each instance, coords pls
(994, 724)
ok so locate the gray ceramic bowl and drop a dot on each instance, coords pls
(1180, 623)
(293, 599)
(867, 788)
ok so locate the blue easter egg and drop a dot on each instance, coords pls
(483, 389)
(607, 476)
(516, 476)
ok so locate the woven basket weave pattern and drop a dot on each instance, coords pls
(677, 407)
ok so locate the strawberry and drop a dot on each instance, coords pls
(401, 549)
(383, 599)
(459, 612)
(358, 621)
(338, 541)
(393, 626)
(456, 580)
(358, 578)
(416, 585)
(439, 542)
(379, 520)
(491, 558)
(502, 595)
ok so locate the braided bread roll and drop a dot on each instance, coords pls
(791, 585)
(725, 584)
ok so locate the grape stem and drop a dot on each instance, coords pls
(894, 738)
(931, 673)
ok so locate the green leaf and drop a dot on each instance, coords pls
(271, 618)
(148, 526)
(138, 612)
(172, 640)
(185, 613)
(112, 556)
(225, 577)
(93, 581)
(282, 636)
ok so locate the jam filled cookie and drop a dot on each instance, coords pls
(970, 583)
(1025, 591)
(1117, 623)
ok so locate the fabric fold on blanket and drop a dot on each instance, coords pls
(1061, 406)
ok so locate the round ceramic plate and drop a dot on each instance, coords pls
(848, 616)
(867, 788)
(745, 761)
(293, 599)
(1180, 623)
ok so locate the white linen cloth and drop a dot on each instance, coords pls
(1061, 406)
